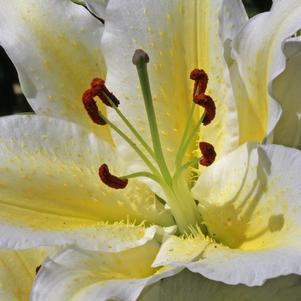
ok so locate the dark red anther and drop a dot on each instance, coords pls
(99, 89)
(200, 78)
(208, 153)
(110, 180)
(91, 107)
(208, 104)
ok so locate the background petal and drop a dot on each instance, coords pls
(195, 287)
(55, 46)
(286, 90)
(259, 59)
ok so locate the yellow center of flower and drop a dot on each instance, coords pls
(175, 187)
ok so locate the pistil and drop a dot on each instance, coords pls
(140, 60)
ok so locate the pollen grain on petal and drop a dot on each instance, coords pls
(91, 107)
(109, 179)
(208, 153)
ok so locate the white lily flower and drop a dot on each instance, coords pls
(240, 222)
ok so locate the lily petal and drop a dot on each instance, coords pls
(55, 46)
(259, 59)
(99, 276)
(178, 36)
(98, 7)
(194, 285)
(233, 17)
(253, 210)
(286, 89)
(50, 190)
(18, 270)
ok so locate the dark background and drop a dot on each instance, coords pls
(11, 98)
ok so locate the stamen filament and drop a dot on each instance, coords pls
(140, 59)
(133, 145)
(181, 169)
(183, 148)
(142, 174)
(185, 133)
(131, 128)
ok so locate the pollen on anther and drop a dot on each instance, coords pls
(208, 153)
(201, 81)
(99, 89)
(109, 179)
(208, 104)
(91, 107)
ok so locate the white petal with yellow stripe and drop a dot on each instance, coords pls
(50, 191)
(179, 36)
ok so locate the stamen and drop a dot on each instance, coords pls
(208, 104)
(99, 89)
(91, 107)
(184, 146)
(201, 80)
(208, 153)
(111, 180)
(97, 85)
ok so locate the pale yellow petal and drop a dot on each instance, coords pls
(49, 183)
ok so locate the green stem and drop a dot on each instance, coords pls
(185, 145)
(185, 133)
(186, 213)
(132, 144)
(185, 166)
(142, 174)
(146, 91)
(131, 128)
